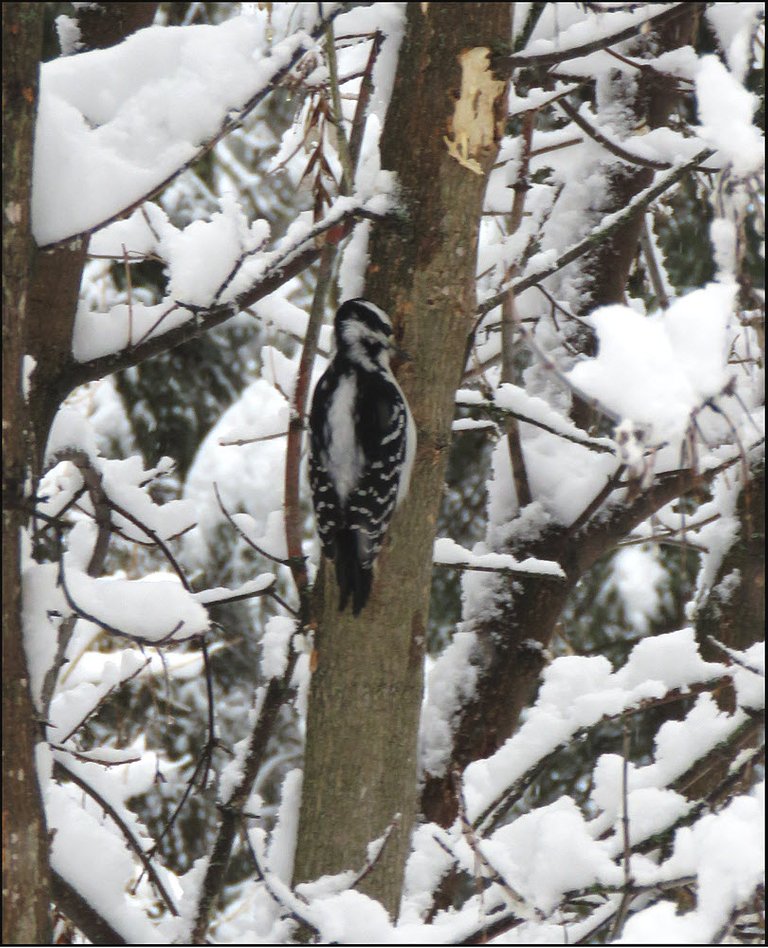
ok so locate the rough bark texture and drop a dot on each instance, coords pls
(25, 846)
(360, 768)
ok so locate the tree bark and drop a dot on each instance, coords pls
(26, 918)
(365, 697)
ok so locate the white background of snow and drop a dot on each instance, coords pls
(261, 409)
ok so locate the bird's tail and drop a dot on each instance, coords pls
(353, 577)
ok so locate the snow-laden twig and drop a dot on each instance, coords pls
(133, 844)
(607, 227)
(562, 55)
(233, 121)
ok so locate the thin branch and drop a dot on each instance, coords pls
(493, 410)
(496, 810)
(264, 877)
(517, 902)
(613, 483)
(294, 517)
(613, 147)
(251, 543)
(371, 863)
(241, 597)
(130, 839)
(652, 264)
(736, 657)
(610, 224)
(509, 318)
(89, 714)
(84, 916)
(342, 146)
(288, 265)
(82, 614)
(505, 570)
(155, 538)
(576, 52)
(231, 810)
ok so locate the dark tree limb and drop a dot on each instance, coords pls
(82, 914)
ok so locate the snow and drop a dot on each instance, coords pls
(657, 370)
(449, 553)
(96, 863)
(261, 410)
(275, 645)
(151, 609)
(126, 119)
(726, 853)
(725, 112)
(523, 853)
(735, 24)
(97, 123)
(283, 840)
(639, 579)
(577, 691)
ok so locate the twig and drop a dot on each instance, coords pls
(294, 517)
(89, 714)
(342, 145)
(576, 52)
(517, 902)
(231, 810)
(736, 657)
(371, 864)
(613, 147)
(610, 224)
(613, 483)
(492, 409)
(505, 570)
(105, 625)
(155, 538)
(265, 877)
(654, 271)
(132, 842)
(251, 543)
(240, 442)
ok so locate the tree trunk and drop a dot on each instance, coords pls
(365, 697)
(26, 918)
(40, 291)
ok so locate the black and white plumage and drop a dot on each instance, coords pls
(362, 445)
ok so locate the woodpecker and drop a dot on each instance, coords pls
(362, 446)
